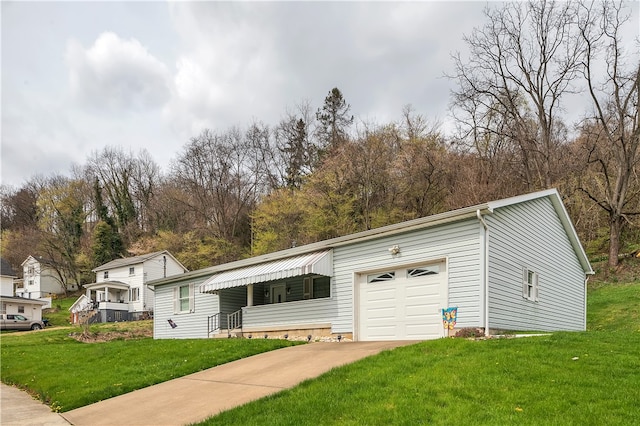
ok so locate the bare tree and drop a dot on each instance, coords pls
(612, 133)
(221, 176)
(521, 64)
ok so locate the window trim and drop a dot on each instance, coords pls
(530, 285)
(132, 270)
(134, 294)
(105, 275)
(177, 305)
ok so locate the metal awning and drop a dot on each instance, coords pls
(320, 263)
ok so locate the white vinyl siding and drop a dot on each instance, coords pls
(189, 325)
(530, 236)
(458, 242)
(313, 311)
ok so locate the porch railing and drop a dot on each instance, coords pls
(234, 320)
(213, 323)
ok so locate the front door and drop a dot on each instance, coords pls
(278, 293)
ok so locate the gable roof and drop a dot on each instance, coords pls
(39, 259)
(135, 260)
(5, 268)
(420, 223)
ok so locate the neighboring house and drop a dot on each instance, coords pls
(40, 280)
(120, 292)
(11, 305)
(7, 276)
(512, 264)
(30, 308)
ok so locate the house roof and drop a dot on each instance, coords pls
(23, 300)
(39, 259)
(420, 223)
(5, 268)
(135, 260)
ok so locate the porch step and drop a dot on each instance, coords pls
(224, 334)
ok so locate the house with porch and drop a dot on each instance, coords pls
(120, 292)
(510, 264)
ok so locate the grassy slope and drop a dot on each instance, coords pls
(68, 374)
(524, 381)
(589, 378)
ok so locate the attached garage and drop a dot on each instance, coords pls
(402, 304)
(509, 264)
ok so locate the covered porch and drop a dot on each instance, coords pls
(279, 299)
(111, 299)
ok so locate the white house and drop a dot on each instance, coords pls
(40, 280)
(6, 278)
(511, 264)
(120, 292)
(10, 304)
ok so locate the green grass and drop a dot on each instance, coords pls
(67, 374)
(614, 308)
(587, 378)
(58, 314)
(534, 380)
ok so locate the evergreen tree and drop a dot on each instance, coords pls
(333, 120)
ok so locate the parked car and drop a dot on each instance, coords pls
(19, 322)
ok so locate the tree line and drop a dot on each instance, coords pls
(320, 173)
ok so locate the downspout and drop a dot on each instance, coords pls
(584, 321)
(485, 271)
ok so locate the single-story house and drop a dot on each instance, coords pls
(120, 292)
(30, 308)
(511, 264)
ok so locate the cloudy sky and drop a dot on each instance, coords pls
(79, 76)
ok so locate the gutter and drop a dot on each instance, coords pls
(485, 270)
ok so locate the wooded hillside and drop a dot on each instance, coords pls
(322, 172)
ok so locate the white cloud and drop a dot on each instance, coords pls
(116, 74)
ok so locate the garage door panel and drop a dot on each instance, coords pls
(405, 308)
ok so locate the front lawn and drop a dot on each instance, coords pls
(67, 374)
(590, 378)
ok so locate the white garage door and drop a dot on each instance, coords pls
(402, 304)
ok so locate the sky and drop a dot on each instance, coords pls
(81, 76)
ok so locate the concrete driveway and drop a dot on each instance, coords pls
(200, 395)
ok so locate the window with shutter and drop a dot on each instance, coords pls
(529, 285)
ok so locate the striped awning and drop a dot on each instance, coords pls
(319, 263)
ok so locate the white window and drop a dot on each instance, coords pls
(530, 285)
(132, 270)
(134, 294)
(21, 309)
(30, 282)
(423, 270)
(384, 276)
(3, 308)
(105, 275)
(31, 270)
(183, 299)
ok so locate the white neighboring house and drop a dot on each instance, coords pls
(9, 304)
(120, 292)
(511, 264)
(7, 276)
(40, 280)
